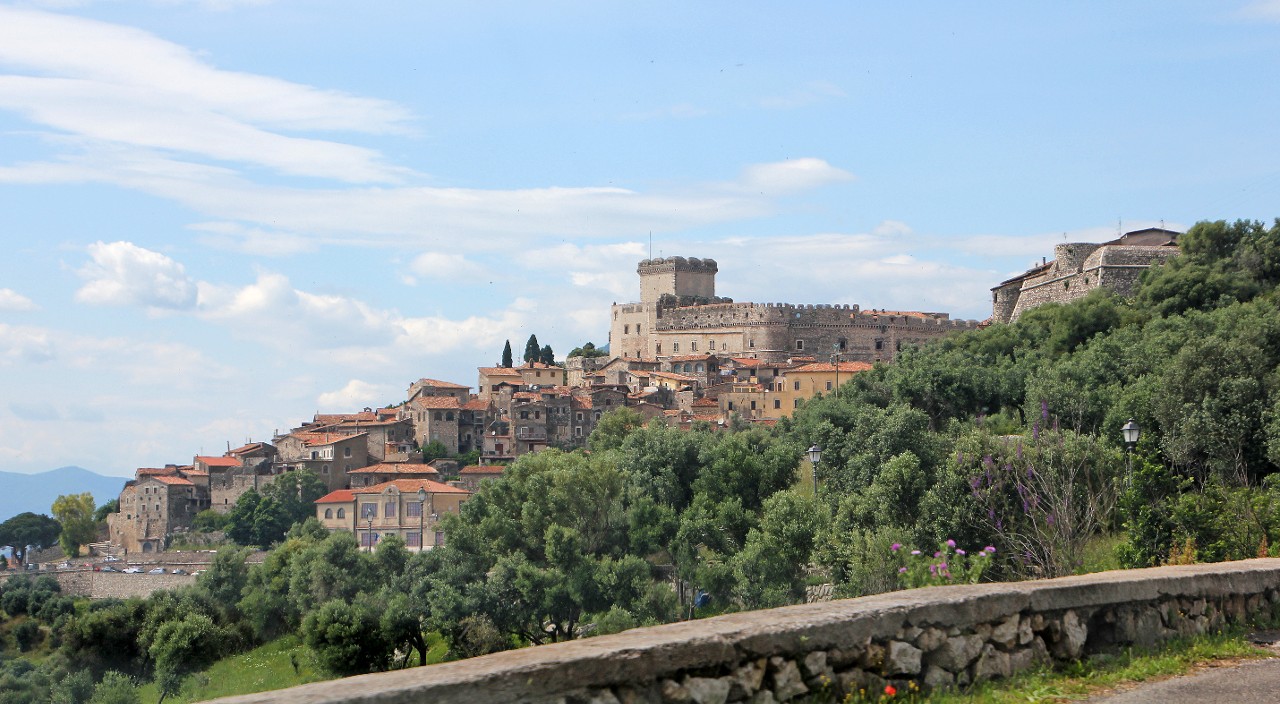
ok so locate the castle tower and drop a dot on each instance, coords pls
(677, 276)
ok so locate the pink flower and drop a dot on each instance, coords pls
(902, 570)
(990, 549)
(951, 543)
(895, 547)
(960, 552)
(915, 552)
(938, 554)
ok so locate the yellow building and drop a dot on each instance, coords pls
(780, 395)
(409, 508)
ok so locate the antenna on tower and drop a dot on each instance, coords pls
(651, 244)
(1119, 227)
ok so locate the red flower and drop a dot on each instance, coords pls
(889, 690)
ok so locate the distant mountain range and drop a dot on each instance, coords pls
(35, 492)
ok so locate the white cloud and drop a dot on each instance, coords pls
(123, 273)
(809, 94)
(24, 344)
(117, 85)
(12, 300)
(356, 394)
(252, 240)
(433, 267)
(791, 176)
(1267, 10)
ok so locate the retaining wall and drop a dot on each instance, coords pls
(935, 637)
(117, 585)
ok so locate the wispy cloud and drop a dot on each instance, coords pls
(1267, 10)
(14, 301)
(808, 94)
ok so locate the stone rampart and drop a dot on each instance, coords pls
(117, 585)
(934, 637)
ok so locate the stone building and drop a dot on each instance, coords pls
(155, 503)
(392, 508)
(1080, 267)
(680, 315)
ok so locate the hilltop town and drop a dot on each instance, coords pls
(681, 354)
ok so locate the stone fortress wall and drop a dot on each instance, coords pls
(934, 637)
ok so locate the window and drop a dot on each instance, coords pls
(328, 513)
(657, 349)
(799, 344)
(795, 403)
(448, 415)
(777, 403)
(324, 469)
(828, 386)
(413, 539)
(439, 415)
(731, 405)
(842, 344)
(753, 405)
(367, 539)
(524, 415)
(637, 328)
(711, 345)
(342, 513)
(577, 429)
(389, 509)
(675, 347)
(693, 346)
(346, 451)
(579, 416)
(751, 344)
(368, 510)
(795, 386)
(439, 538)
(879, 344)
(315, 455)
(413, 509)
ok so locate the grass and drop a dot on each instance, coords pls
(1100, 553)
(1078, 680)
(262, 669)
(267, 668)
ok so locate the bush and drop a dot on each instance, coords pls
(28, 635)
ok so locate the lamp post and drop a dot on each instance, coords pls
(815, 456)
(1131, 432)
(422, 517)
(369, 522)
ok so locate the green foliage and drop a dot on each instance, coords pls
(612, 429)
(29, 529)
(434, 450)
(347, 638)
(587, 350)
(532, 350)
(546, 355)
(947, 565)
(75, 513)
(507, 361)
(263, 518)
(100, 514)
(769, 571)
(116, 688)
(209, 521)
(27, 635)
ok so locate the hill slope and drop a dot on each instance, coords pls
(36, 492)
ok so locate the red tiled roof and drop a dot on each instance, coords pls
(396, 468)
(749, 362)
(673, 376)
(195, 473)
(525, 395)
(439, 384)
(247, 448)
(475, 404)
(498, 371)
(409, 486)
(691, 358)
(582, 402)
(173, 481)
(704, 402)
(851, 367)
(482, 469)
(536, 365)
(340, 496)
(218, 461)
(311, 439)
(154, 471)
(437, 402)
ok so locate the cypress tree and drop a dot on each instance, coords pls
(506, 355)
(531, 349)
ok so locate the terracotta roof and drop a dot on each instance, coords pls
(536, 365)
(802, 358)
(409, 486)
(439, 384)
(324, 438)
(195, 473)
(582, 402)
(525, 396)
(437, 402)
(482, 469)
(705, 402)
(331, 418)
(750, 362)
(499, 371)
(173, 481)
(154, 471)
(675, 377)
(396, 468)
(475, 404)
(251, 447)
(341, 496)
(851, 367)
(218, 461)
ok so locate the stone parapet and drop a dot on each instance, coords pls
(934, 637)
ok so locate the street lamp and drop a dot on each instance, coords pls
(369, 533)
(1131, 432)
(815, 456)
(421, 517)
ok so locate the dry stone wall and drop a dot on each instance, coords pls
(931, 638)
(117, 585)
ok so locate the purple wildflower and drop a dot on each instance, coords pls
(902, 570)
(938, 554)
(895, 547)
(1044, 410)
(915, 552)
(960, 552)
(951, 543)
(990, 549)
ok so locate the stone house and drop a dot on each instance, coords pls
(491, 377)
(782, 394)
(472, 476)
(435, 387)
(435, 419)
(151, 507)
(386, 472)
(1081, 267)
(392, 508)
(329, 455)
(473, 418)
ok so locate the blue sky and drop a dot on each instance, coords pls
(222, 216)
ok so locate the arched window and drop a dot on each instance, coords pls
(698, 367)
(342, 513)
(328, 513)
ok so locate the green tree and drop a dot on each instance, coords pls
(587, 350)
(347, 638)
(182, 646)
(75, 513)
(101, 513)
(532, 350)
(116, 688)
(507, 361)
(612, 429)
(29, 529)
(770, 568)
(434, 450)
(547, 356)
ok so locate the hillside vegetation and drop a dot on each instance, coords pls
(1004, 441)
